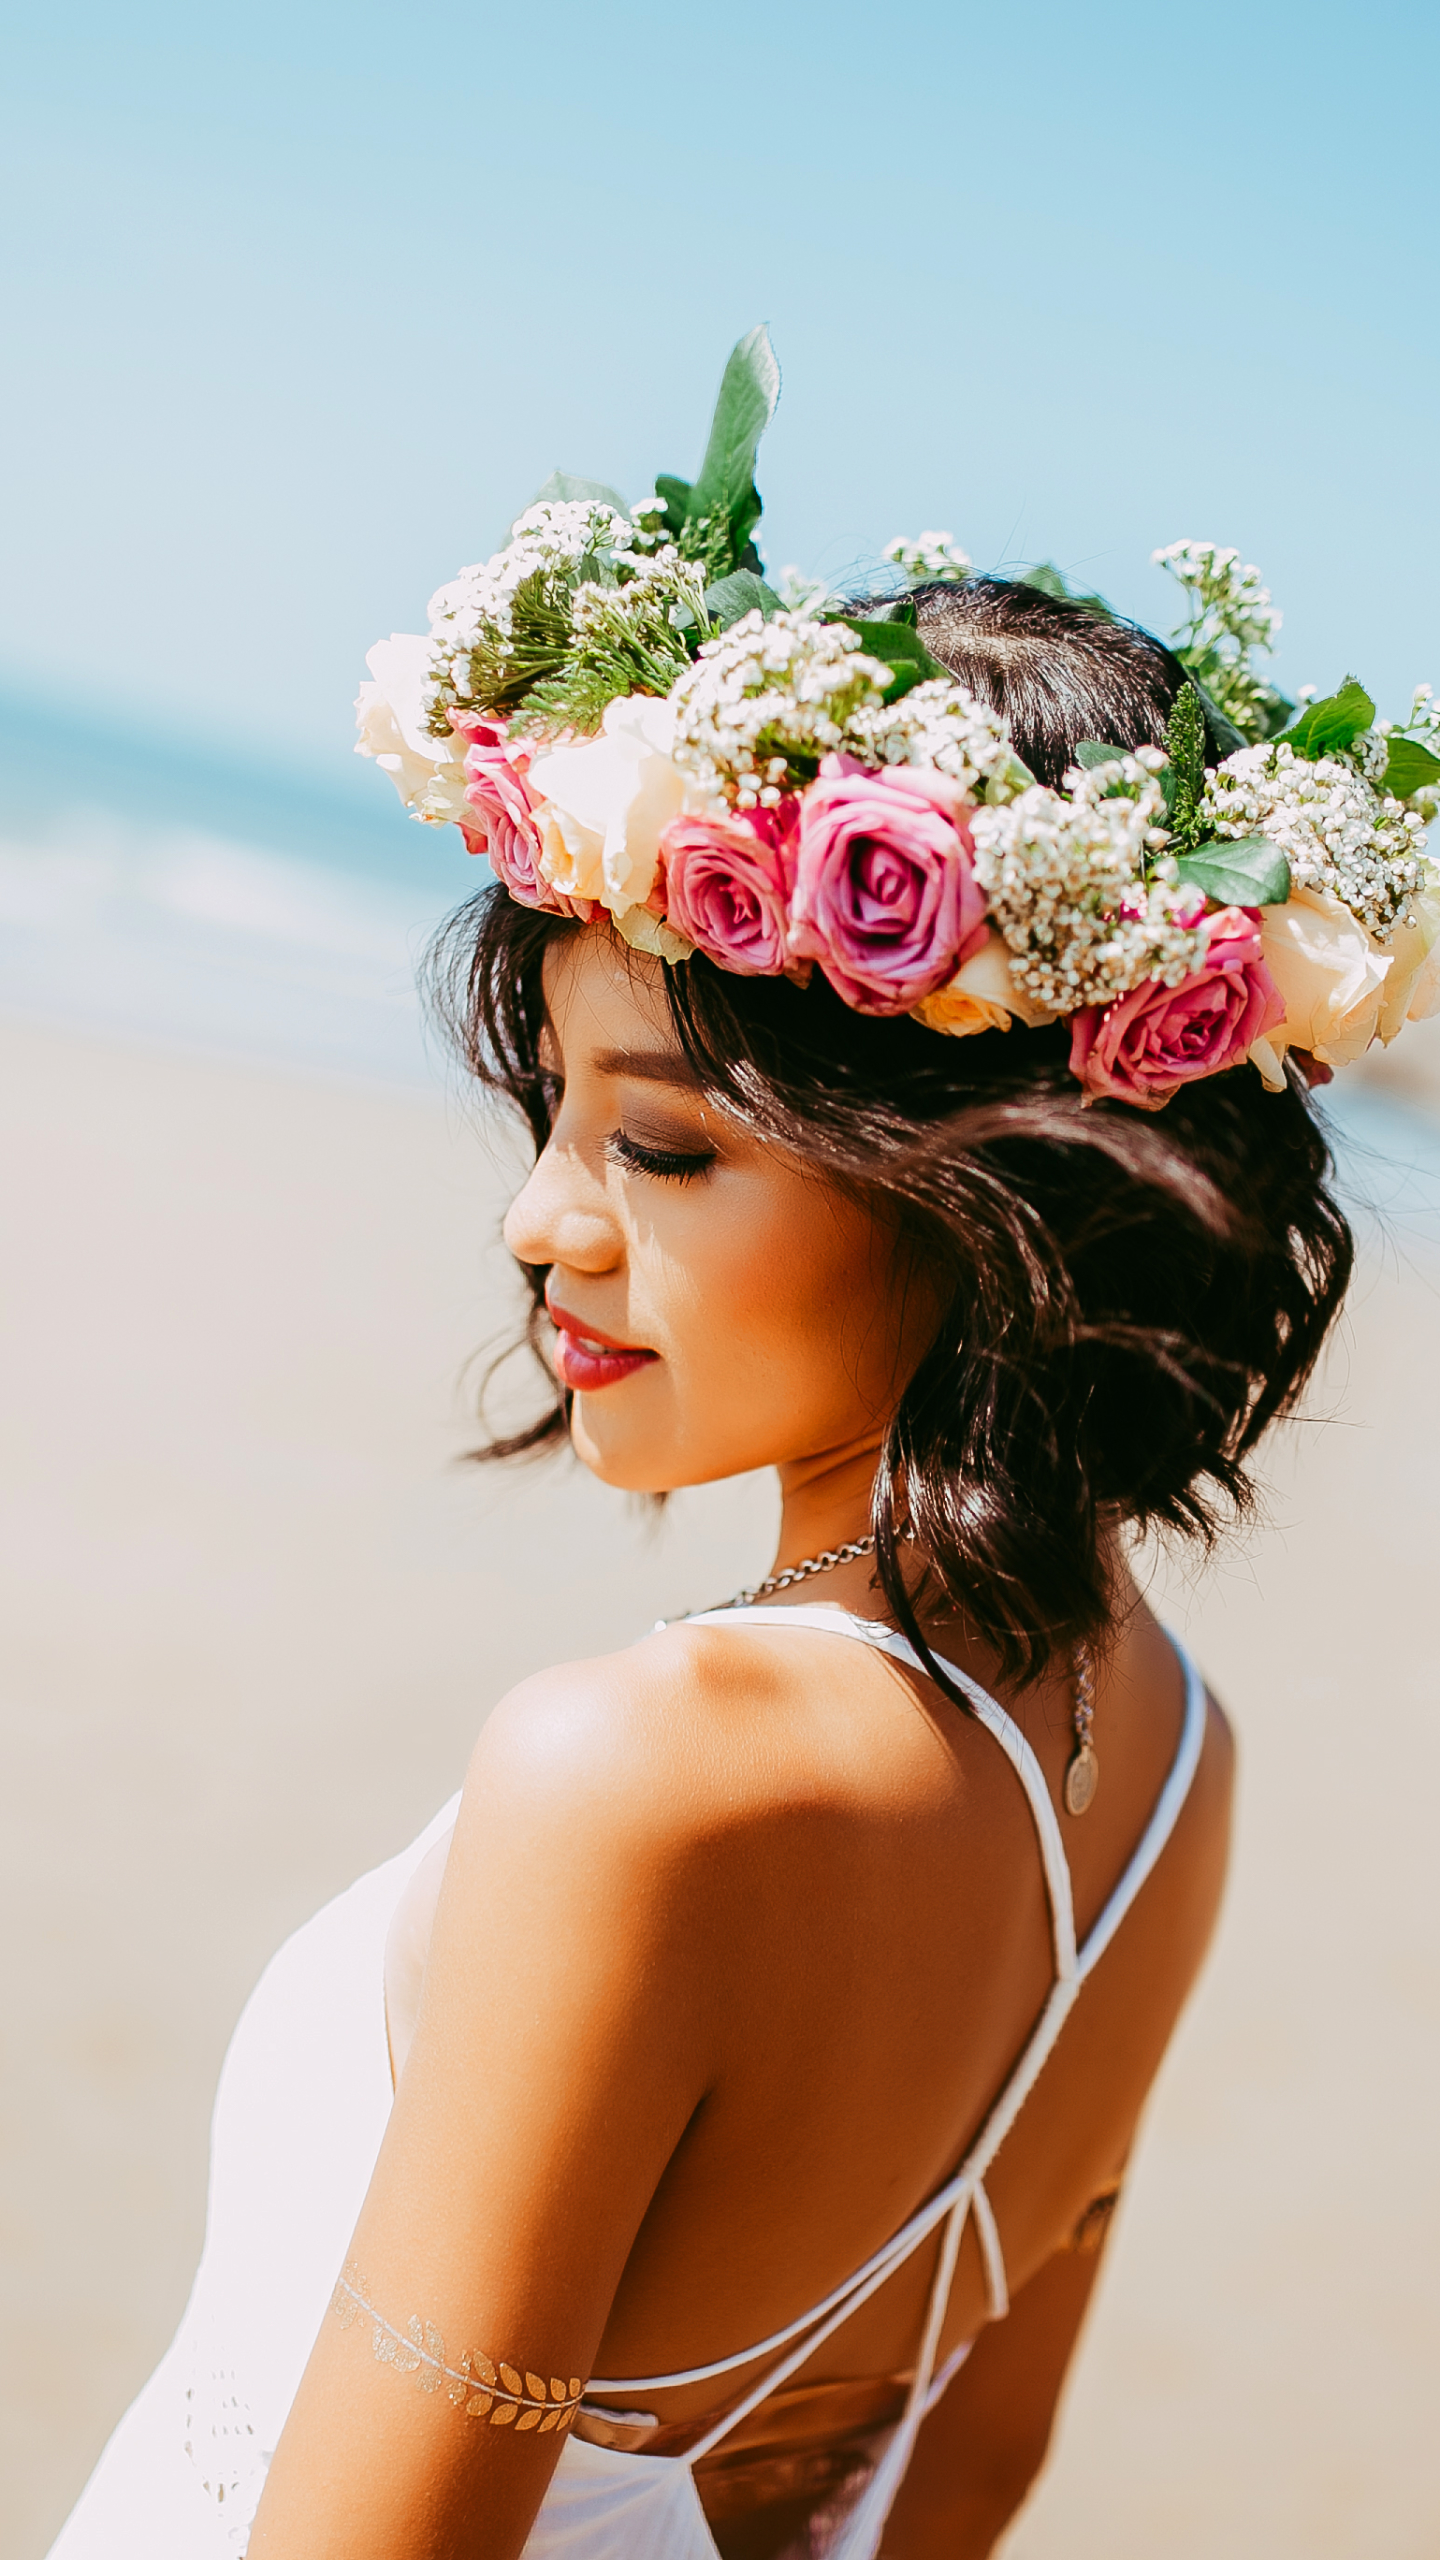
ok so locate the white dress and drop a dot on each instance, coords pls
(301, 2109)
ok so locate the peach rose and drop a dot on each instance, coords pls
(983, 996)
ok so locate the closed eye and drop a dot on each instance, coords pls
(666, 1164)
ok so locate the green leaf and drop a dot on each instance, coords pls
(899, 647)
(563, 485)
(676, 494)
(1331, 726)
(1411, 768)
(1053, 582)
(730, 599)
(1248, 871)
(725, 493)
(900, 609)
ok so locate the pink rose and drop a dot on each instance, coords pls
(1145, 1045)
(885, 894)
(726, 886)
(503, 826)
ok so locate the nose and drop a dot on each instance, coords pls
(562, 1217)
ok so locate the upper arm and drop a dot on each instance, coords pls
(563, 2043)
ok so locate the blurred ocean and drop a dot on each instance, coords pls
(176, 897)
(167, 895)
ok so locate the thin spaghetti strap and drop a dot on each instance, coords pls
(997, 2286)
(954, 2219)
(859, 2536)
(846, 2297)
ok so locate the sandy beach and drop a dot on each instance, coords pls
(256, 1610)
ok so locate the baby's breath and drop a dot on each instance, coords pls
(1231, 616)
(1066, 882)
(930, 557)
(547, 538)
(798, 591)
(766, 702)
(938, 723)
(1337, 830)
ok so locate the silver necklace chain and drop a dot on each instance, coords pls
(794, 1573)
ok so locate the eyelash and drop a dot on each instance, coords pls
(663, 1163)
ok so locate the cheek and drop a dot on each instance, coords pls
(775, 1310)
(782, 1331)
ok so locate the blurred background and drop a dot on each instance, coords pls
(301, 309)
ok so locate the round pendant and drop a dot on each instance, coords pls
(1081, 1779)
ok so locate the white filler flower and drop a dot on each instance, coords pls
(1338, 832)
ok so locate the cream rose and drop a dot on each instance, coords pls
(606, 803)
(428, 772)
(981, 997)
(1412, 990)
(1333, 979)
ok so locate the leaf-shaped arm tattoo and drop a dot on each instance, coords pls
(495, 2392)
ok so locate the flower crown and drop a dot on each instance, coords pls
(623, 716)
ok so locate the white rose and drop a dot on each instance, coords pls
(428, 772)
(982, 996)
(607, 803)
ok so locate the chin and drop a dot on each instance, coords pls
(649, 1462)
(628, 1461)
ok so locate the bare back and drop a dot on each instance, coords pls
(880, 1950)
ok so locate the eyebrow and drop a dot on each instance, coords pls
(647, 1066)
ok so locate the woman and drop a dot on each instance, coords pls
(729, 2094)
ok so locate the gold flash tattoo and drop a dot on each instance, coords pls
(484, 2390)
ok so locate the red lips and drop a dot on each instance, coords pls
(587, 1358)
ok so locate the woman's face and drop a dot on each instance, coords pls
(717, 1307)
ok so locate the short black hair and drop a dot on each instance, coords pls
(1060, 671)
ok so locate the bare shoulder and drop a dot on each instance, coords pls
(648, 1746)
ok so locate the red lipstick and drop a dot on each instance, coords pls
(586, 1358)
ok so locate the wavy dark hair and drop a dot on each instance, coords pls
(1128, 1300)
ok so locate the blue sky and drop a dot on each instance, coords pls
(304, 307)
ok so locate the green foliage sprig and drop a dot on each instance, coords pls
(624, 639)
(503, 669)
(1185, 760)
(712, 520)
(1232, 871)
(583, 639)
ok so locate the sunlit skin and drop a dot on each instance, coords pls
(782, 1319)
(740, 1931)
